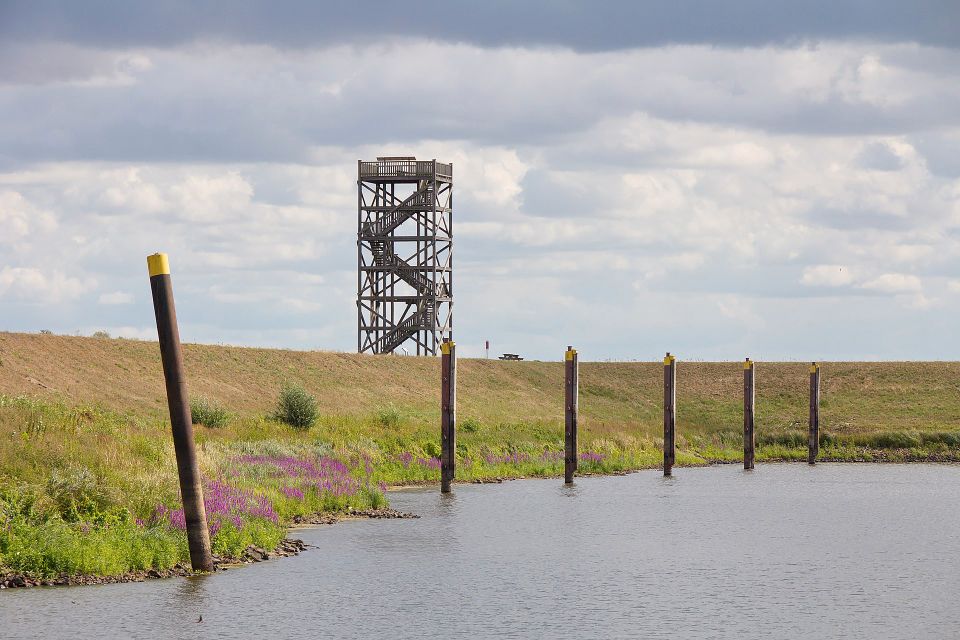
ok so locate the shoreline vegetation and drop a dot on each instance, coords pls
(88, 489)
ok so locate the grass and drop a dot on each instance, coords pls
(88, 476)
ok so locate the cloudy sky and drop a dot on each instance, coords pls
(773, 179)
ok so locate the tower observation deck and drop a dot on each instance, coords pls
(404, 255)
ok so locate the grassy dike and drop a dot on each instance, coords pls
(88, 480)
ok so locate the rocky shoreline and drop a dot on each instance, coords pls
(355, 514)
(287, 547)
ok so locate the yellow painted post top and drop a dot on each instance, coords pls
(669, 359)
(814, 367)
(571, 353)
(445, 346)
(748, 364)
(158, 264)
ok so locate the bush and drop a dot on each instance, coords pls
(77, 493)
(103, 335)
(949, 438)
(208, 413)
(470, 425)
(431, 448)
(296, 407)
(388, 417)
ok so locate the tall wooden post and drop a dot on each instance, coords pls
(571, 383)
(669, 413)
(188, 469)
(749, 443)
(813, 441)
(448, 414)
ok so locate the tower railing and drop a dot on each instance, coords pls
(405, 169)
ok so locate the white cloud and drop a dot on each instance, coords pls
(739, 310)
(206, 198)
(116, 297)
(919, 301)
(34, 285)
(894, 283)
(19, 218)
(827, 275)
(126, 191)
(126, 331)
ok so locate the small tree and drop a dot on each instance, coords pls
(296, 407)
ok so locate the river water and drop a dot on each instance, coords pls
(785, 551)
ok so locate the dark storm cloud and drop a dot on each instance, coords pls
(580, 25)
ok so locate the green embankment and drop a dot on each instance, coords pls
(87, 477)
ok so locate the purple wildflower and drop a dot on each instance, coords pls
(429, 463)
(292, 492)
(589, 456)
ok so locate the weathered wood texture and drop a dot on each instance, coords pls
(448, 415)
(813, 442)
(571, 386)
(669, 413)
(749, 414)
(188, 468)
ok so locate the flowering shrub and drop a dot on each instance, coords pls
(429, 463)
(589, 456)
(292, 492)
(328, 475)
(222, 502)
(509, 458)
(285, 486)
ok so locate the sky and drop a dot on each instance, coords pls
(778, 180)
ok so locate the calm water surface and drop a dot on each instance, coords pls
(851, 551)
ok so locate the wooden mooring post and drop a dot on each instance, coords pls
(188, 469)
(749, 396)
(669, 413)
(813, 440)
(571, 384)
(448, 414)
